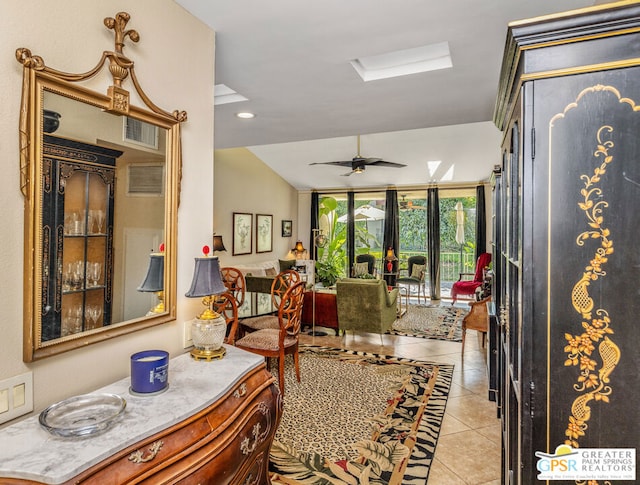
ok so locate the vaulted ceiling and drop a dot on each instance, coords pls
(291, 59)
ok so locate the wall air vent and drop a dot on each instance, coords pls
(145, 179)
(139, 132)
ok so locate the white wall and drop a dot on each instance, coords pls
(70, 36)
(243, 183)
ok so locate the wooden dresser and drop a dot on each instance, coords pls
(214, 425)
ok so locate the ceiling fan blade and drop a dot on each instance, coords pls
(347, 174)
(383, 163)
(344, 163)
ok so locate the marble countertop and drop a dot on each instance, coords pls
(28, 451)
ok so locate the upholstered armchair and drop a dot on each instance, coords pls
(416, 270)
(365, 305)
(468, 287)
(359, 265)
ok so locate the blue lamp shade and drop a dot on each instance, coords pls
(207, 280)
(154, 280)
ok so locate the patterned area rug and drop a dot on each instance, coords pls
(359, 418)
(435, 322)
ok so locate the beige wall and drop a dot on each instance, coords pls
(70, 36)
(243, 183)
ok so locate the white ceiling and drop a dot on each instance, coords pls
(291, 58)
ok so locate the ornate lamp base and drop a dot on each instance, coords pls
(208, 355)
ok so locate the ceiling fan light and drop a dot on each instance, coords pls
(358, 170)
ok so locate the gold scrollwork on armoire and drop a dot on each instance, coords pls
(593, 379)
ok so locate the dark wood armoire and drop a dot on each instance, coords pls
(78, 181)
(567, 252)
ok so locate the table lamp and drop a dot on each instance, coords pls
(218, 245)
(390, 258)
(298, 250)
(154, 280)
(209, 328)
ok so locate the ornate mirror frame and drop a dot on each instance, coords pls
(38, 78)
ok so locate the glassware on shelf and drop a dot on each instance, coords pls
(74, 223)
(72, 320)
(94, 270)
(94, 312)
(96, 220)
(73, 276)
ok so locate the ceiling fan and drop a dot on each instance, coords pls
(359, 163)
(408, 204)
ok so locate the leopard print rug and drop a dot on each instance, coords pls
(434, 322)
(359, 418)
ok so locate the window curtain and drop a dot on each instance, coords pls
(351, 232)
(481, 222)
(315, 208)
(391, 229)
(433, 242)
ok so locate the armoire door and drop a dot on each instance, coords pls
(584, 262)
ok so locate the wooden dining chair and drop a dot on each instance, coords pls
(233, 279)
(225, 304)
(281, 283)
(277, 343)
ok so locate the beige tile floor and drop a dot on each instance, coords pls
(468, 450)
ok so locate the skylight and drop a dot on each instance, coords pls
(403, 62)
(223, 94)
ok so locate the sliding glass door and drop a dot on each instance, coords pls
(368, 228)
(457, 230)
(457, 235)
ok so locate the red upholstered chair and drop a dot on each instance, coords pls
(468, 287)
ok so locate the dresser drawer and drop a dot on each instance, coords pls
(215, 444)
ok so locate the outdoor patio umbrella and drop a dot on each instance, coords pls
(365, 213)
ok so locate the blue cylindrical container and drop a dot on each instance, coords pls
(149, 371)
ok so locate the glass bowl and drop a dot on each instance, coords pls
(82, 415)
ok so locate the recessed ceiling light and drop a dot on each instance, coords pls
(223, 94)
(400, 63)
(245, 115)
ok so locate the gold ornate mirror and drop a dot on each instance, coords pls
(101, 180)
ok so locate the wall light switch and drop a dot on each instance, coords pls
(188, 340)
(4, 400)
(16, 396)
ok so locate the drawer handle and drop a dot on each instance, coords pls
(238, 393)
(138, 455)
(259, 435)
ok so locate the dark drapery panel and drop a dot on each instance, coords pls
(315, 207)
(391, 228)
(433, 241)
(481, 222)
(351, 232)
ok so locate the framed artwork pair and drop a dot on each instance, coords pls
(243, 230)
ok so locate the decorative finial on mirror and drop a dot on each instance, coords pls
(118, 24)
(119, 64)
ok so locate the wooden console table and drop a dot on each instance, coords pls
(326, 310)
(214, 425)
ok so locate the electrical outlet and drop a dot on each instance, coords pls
(16, 396)
(188, 341)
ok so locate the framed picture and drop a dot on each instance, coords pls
(264, 233)
(286, 228)
(242, 233)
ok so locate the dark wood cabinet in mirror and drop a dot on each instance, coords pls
(101, 179)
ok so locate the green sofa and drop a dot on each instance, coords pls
(365, 305)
